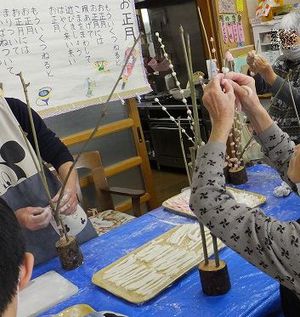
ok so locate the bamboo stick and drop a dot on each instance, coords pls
(293, 100)
(198, 139)
(204, 243)
(184, 154)
(216, 250)
(204, 32)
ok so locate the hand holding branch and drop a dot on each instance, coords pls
(219, 99)
(259, 65)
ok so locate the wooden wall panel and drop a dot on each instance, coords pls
(211, 17)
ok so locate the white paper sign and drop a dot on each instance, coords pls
(70, 51)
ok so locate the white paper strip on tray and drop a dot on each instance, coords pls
(147, 271)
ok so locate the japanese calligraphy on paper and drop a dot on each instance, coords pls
(72, 52)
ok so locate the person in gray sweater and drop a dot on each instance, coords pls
(270, 78)
(269, 244)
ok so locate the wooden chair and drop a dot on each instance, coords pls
(91, 161)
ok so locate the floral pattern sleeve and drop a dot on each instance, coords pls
(269, 244)
(278, 148)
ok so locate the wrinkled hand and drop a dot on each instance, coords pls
(259, 65)
(68, 203)
(34, 218)
(250, 60)
(245, 91)
(294, 170)
(219, 100)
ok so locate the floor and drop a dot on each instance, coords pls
(168, 182)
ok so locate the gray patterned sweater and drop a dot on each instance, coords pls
(282, 109)
(271, 245)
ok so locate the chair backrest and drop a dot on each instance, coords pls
(91, 163)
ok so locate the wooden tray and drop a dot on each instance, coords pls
(80, 310)
(179, 204)
(189, 249)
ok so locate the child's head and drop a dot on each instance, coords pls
(15, 264)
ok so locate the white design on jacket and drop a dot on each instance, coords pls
(16, 163)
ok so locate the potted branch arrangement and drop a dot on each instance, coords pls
(67, 247)
(213, 273)
(235, 169)
(237, 174)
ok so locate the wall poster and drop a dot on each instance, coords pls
(70, 51)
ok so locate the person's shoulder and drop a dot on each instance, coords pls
(14, 102)
(18, 107)
(281, 65)
(284, 65)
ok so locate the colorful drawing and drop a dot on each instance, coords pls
(264, 7)
(91, 85)
(227, 6)
(232, 28)
(102, 66)
(130, 65)
(44, 96)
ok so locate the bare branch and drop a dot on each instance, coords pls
(40, 165)
(102, 115)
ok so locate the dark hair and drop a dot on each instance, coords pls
(12, 250)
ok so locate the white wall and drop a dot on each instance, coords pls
(251, 4)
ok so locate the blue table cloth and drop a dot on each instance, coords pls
(253, 293)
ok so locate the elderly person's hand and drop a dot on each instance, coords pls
(69, 201)
(34, 218)
(245, 91)
(219, 100)
(294, 166)
(250, 60)
(259, 65)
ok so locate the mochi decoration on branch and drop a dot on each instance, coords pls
(216, 264)
(177, 82)
(187, 51)
(174, 120)
(213, 49)
(228, 63)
